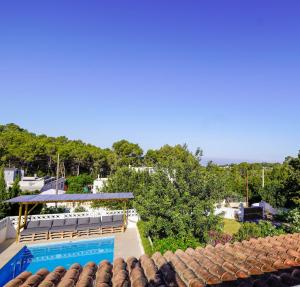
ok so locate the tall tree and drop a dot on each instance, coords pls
(127, 153)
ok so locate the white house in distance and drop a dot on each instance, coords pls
(34, 183)
(143, 169)
(98, 184)
(11, 174)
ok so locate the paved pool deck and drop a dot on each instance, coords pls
(127, 244)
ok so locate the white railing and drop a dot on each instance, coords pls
(96, 213)
(8, 225)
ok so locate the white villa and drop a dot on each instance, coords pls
(11, 174)
(34, 183)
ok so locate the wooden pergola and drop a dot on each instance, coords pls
(34, 200)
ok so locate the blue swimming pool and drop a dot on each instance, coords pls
(34, 257)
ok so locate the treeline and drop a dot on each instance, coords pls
(38, 154)
(176, 203)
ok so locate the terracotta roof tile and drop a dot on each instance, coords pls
(272, 261)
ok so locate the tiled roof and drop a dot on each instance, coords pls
(271, 261)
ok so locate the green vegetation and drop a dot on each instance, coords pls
(174, 243)
(172, 202)
(5, 194)
(176, 202)
(254, 230)
(53, 210)
(38, 154)
(145, 241)
(78, 184)
(293, 220)
(79, 209)
(231, 226)
(165, 244)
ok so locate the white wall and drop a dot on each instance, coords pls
(99, 184)
(228, 212)
(3, 229)
(7, 229)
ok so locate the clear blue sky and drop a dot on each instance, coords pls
(222, 75)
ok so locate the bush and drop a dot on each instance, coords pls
(293, 218)
(216, 237)
(254, 230)
(281, 216)
(54, 210)
(172, 244)
(146, 244)
(79, 209)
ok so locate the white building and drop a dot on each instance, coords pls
(34, 183)
(143, 169)
(98, 184)
(11, 174)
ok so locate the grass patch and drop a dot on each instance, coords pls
(231, 226)
(146, 244)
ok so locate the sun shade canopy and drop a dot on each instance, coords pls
(29, 199)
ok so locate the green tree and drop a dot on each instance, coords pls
(77, 184)
(173, 201)
(292, 184)
(15, 190)
(127, 153)
(3, 195)
(3, 190)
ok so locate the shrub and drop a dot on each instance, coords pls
(54, 210)
(216, 237)
(171, 243)
(146, 244)
(281, 216)
(79, 209)
(254, 230)
(293, 218)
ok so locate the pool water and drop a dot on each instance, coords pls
(65, 254)
(34, 257)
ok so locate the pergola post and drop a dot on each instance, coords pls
(19, 222)
(26, 214)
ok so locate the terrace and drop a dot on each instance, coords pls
(116, 259)
(13, 239)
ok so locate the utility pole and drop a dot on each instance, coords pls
(57, 173)
(247, 190)
(57, 176)
(263, 177)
